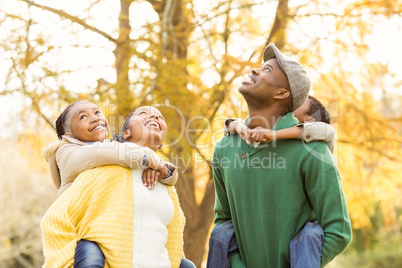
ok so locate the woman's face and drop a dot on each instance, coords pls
(147, 127)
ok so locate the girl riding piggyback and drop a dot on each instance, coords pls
(82, 130)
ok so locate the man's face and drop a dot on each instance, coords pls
(262, 82)
(88, 123)
(147, 127)
(301, 112)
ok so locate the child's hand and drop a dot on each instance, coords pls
(150, 177)
(241, 129)
(155, 163)
(170, 166)
(260, 134)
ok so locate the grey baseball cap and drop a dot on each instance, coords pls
(299, 81)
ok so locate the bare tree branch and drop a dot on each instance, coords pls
(33, 98)
(72, 18)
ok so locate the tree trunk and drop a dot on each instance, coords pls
(124, 98)
(278, 30)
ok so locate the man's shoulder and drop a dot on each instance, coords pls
(318, 152)
(227, 142)
(320, 146)
(301, 145)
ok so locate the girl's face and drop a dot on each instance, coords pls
(147, 127)
(87, 122)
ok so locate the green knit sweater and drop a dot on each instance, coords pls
(272, 190)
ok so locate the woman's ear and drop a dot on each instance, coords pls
(127, 134)
(282, 94)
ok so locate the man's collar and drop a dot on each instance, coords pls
(286, 122)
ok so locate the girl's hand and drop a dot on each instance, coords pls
(155, 163)
(150, 178)
(260, 134)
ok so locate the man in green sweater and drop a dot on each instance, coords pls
(271, 190)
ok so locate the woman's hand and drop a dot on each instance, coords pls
(150, 177)
(155, 163)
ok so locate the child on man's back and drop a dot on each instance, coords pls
(315, 126)
(307, 244)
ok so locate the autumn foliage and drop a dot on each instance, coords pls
(188, 58)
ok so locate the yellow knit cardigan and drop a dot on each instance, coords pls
(99, 207)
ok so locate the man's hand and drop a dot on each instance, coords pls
(150, 177)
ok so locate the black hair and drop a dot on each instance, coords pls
(318, 111)
(120, 138)
(127, 122)
(61, 120)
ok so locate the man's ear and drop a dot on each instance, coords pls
(282, 94)
(127, 134)
(309, 120)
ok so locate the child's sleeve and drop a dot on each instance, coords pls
(171, 179)
(73, 159)
(319, 131)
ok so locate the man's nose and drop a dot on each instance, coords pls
(255, 71)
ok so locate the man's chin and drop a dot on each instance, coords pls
(244, 91)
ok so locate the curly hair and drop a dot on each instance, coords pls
(61, 120)
(318, 111)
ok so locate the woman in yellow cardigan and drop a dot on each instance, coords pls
(133, 226)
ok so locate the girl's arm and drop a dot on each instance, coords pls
(74, 158)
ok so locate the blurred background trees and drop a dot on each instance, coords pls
(187, 57)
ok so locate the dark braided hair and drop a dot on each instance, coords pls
(120, 138)
(127, 122)
(318, 111)
(61, 120)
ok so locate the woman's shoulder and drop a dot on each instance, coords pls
(109, 170)
(104, 175)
